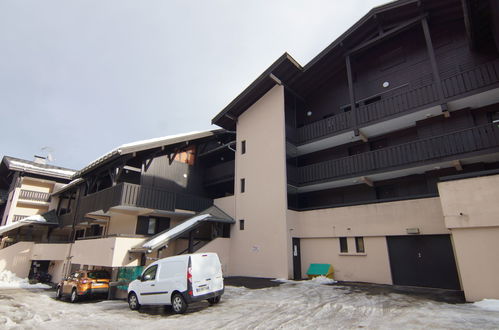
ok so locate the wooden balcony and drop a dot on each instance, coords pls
(399, 102)
(16, 217)
(436, 148)
(35, 196)
(132, 195)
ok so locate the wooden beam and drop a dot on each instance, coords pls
(433, 62)
(457, 165)
(351, 92)
(367, 181)
(388, 34)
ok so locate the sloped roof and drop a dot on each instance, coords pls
(213, 214)
(21, 165)
(129, 148)
(31, 220)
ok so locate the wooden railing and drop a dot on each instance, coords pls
(34, 195)
(133, 195)
(219, 173)
(399, 102)
(456, 143)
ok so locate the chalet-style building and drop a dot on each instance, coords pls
(379, 157)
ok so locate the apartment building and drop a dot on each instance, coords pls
(379, 156)
(110, 214)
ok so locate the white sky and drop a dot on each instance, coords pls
(85, 76)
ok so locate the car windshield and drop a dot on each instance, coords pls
(98, 274)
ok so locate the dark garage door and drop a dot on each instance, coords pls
(426, 261)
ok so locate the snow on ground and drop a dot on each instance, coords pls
(489, 304)
(288, 306)
(9, 280)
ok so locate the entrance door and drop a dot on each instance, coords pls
(426, 261)
(296, 259)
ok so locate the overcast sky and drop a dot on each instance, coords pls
(83, 77)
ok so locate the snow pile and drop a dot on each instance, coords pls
(316, 280)
(9, 280)
(488, 304)
(323, 280)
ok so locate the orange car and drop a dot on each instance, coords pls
(84, 283)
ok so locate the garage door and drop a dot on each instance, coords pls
(423, 260)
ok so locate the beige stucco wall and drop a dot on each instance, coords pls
(371, 266)
(476, 251)
(106, 252)
(471, 210)
(261, 249)
(35, 185)
(122, 223)
(17, 258)
(50, 251)
(319, 231)
(221, 246)
(380, 219)
(226, 204)
(470, 202)
(28, 209)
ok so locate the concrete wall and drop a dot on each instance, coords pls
(36, 185)
(320, 230)
(106, 252)
(226, 204)
(471, 211)
(261, 248)
(50, 251)
(17, 258)
(371, 266)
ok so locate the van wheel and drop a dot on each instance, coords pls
(74, 296)
(215, 300)
(133, 301)
(179, 305)
(58, 293)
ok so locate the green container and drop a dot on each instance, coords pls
(315, 270)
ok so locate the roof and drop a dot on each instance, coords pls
(34, 219)
(211, 214)
(21, 165)
(291, 74)
(145, 145)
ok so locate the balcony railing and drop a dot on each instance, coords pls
(433, 148)
(127, 194)
(401, 101)
(219, 173)
(36, 196)
(16, 218)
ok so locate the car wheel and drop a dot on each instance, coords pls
(133, 301)
(215, 300)
(179, 305)
(74, 296)
(58, 293)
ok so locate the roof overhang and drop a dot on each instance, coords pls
(31, 220)
(212, 214)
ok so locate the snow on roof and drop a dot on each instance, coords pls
(68, 186)
(34, 219)
(163, 238)
(32, 167)
(147, 144)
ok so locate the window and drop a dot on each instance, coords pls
(241, 224)
(243, 185)
(150, 273)
(243, 147)
(359, 244)
(343, 245)
(147, 225)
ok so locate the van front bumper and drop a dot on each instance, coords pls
(214, 294)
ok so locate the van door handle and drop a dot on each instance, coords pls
(153, 284)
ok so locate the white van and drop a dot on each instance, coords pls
(178, 281)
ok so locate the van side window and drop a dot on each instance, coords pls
(151, 272)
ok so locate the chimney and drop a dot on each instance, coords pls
(40, 160)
